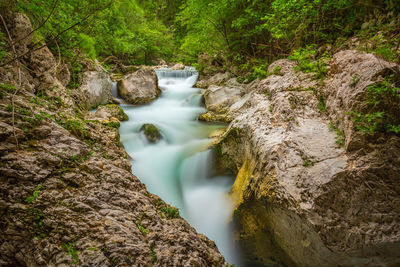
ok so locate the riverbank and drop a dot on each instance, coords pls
(68, 196)
(312, 187)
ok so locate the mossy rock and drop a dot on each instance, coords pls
(151, 132)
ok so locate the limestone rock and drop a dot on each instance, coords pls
(151, 132)
(178, 66)
(139, 87)
(301, 198)
(21, 31)
(218, 79)
(220, 98)
(96, 88)
(346, 87)
(107, 112)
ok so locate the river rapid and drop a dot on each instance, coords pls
(178, 167)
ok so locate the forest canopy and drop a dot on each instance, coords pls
(145, 31)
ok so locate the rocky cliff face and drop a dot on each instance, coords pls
(67, 194)
(310, 189)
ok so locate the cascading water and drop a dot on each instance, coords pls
(176, 168)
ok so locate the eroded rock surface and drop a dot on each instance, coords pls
(303, 195)
(96, 88)
(140, 87)
(220, 97)
(67, 194)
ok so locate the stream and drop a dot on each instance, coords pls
(178, 167)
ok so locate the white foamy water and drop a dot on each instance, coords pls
(177, 168)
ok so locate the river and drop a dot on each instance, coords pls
(178, 167)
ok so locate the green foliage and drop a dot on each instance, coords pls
(87, 44)
(71, 250)
(35, 194)
(308, 62)
(75, 126)
(122, 28)
(382, 105)
(321, 104)
(267, 29)
(3, 46)
(367, 123)
(153, 255)
(6, 89)
(113, 124)
(307, 163)
(340, 137)
(386, 52)
(260, 71)
(141, 228)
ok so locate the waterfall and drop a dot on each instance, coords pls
(177, 167)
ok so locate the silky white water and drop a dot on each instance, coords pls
(177, 167)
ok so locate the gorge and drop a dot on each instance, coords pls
(199, 133)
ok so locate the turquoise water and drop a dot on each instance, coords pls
(177, 167)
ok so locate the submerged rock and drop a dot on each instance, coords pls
(151, 132)
(302, 198)
(140, 87)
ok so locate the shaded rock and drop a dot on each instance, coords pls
(21, 31)
(64, 75)
(151, 132)
(96, 88)
(139, 87)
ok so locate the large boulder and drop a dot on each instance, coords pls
(140, 87)
(220, 95)
(96, 88)
(300, 197)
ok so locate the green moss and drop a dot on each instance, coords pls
(71, 250)
(121, 114)
(321, 104)
(340, 137)
(113, 124)
(307, 163)
(170, 212)
(151, 132)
